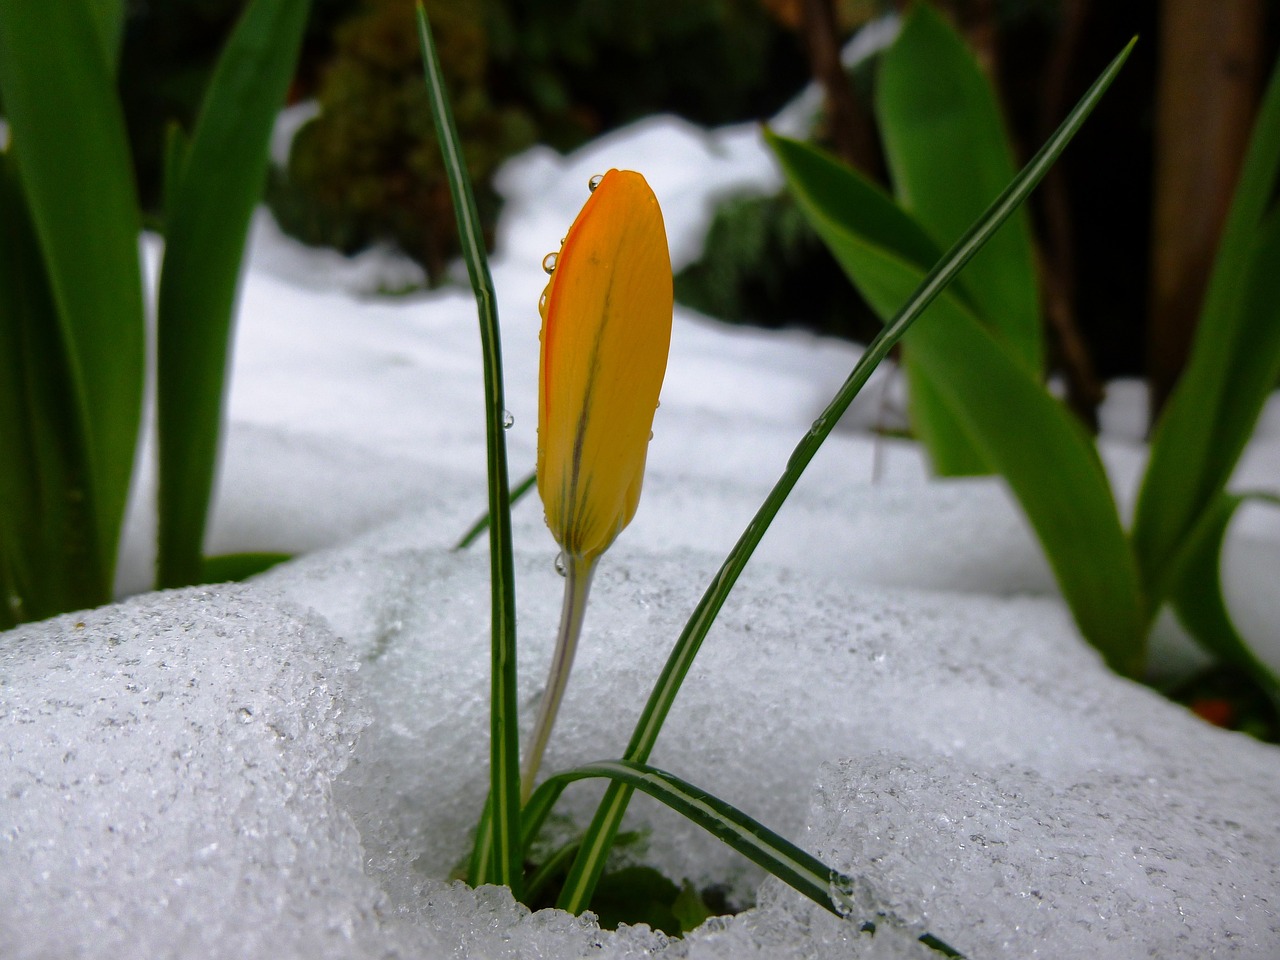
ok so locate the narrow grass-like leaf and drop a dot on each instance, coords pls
(527, 483)
(216, 182)
(1234, 363)
(71, 156)
(599, 837)
(1197, 591)
(500, 828)
(949, 155)
(1050, 464)
(49, 562)
(781, 858)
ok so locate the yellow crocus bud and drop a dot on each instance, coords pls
(606, 331)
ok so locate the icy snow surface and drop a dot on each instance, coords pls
(290, 768)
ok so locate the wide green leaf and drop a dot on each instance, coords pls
(49, 561)
(71, 157)
(952, 450)
(1233, 366)
(949, 157)
(1051, 465)
(215, 183)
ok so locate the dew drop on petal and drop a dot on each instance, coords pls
(549, 262)
(594, 182)
(508, 421)
(560, 567)
(542, 307)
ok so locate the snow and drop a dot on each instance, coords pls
(290, 768)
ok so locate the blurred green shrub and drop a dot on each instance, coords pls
(367, 168)
(763, 264)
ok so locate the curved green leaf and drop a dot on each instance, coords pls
(1234, 364)
(1051, 465)
(781, 858)
(215, 182)
(1197, 591)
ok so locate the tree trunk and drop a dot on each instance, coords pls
(849, 124)
(1209, 75)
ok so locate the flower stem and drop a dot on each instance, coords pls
(577, 584)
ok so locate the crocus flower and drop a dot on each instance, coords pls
(606, 330)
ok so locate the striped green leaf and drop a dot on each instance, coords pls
(781, 858)
(497, 850)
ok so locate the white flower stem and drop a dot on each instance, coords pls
(577, 584)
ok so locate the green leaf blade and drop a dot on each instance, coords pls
(497, 853)
(72, 160)
(1233, 367)
(216, 181)
(1051, 466)
(1197, 592)
(781, 858)
(949, 156)
(49, 561)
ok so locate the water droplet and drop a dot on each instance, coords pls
(594, 182)
(508, 421)
(849, 896)
(549, 262)
(542, 308)
(650, 434)
(657, 405)
(560, 567)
